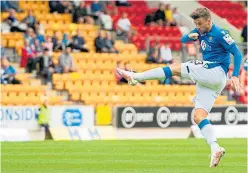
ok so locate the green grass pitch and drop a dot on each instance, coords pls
(126, 156)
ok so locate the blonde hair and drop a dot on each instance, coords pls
(200, 13)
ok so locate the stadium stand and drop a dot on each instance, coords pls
(94, 82)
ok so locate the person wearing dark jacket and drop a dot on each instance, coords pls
(100, 43)
(46, 66)
(78, 42)
(109, 43)
(30, 20)
(160, 17)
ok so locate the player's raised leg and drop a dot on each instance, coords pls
(156, 73)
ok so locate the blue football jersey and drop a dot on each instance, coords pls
(215, 45)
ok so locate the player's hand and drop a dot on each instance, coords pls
(236, 84)
(193, 36)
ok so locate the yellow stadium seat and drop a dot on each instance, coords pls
(4, 42)
(75, 96)
(59, 85)
(4, 15)
(56, 77)
(68, 84)
(49, 33)
(73, 27)
(11, 43)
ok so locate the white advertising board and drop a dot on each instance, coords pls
(19, 117)
(72, 116)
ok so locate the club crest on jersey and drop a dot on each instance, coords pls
(210, 39)
(203, 45)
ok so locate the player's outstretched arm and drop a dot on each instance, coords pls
(229, 44)
(237, 62)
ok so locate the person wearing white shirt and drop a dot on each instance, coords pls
(165, 53)
(106, 20)
(124, 27)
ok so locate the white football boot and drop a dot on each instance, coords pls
(216, 156)
(128, 76)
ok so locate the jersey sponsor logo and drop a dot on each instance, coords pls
(228, 39)
(203, 45)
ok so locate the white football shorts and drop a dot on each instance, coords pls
(209, 82)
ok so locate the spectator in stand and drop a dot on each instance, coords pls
(38, 48)
(244, 36)
(68, 6)
(49, 44)
(122, 3)
(124, 27)
(81, 21)
(160, 15)
(78, 42)
(111, 8)
(40, 36)
(66, 61)
(27, 53)
(52, 5)
(30, 20)
(168, 14)
(66, 41)
(39, 28)
(13, 24)
(165, 53)
(33, 38)
(57, 41)
(82, 12)
(46, 66)
(96, 8)
(149, 19)
(177, 17)
(154, 55)
(109, 43)
(106, 21)
(60, 6)
(7, 5)
(100, 43)
(29, 35)
(8, 72)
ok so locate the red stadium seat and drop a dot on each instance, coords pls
(232, 11)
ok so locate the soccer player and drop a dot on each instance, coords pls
(210, 75)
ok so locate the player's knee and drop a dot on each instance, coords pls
(199, 115)
(175, 68)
